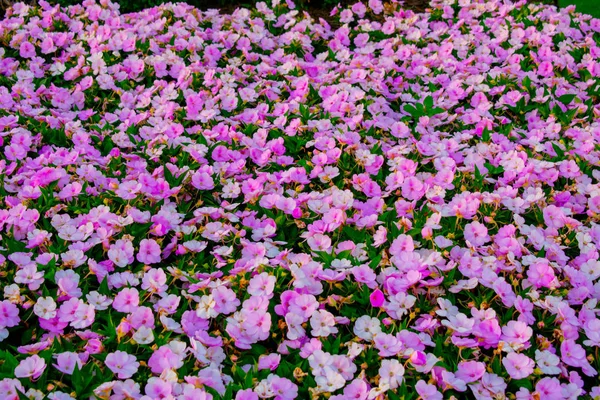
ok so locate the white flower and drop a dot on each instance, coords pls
(366, 327)
(206, 307)
(330, 380)
(547, 362)
(45, 308)
(99, 301)
(143, 335)
(391, 374)
(323, 323)
(264, 390)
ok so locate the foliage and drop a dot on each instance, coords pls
(259, 205)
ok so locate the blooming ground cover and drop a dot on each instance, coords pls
(257, 205)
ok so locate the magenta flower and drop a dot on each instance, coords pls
(377, 298)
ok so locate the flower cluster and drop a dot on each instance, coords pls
(261, 205)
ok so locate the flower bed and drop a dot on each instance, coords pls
(256, 205)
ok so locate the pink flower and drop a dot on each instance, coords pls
(202, 181)
(357, 389)
(123, 364)
(594, 204)
(364, 274)
(246, 394)
(9, 314)
(413, 188)
(545, 69)
(47, 45)
(511, 98)
(225, 300)
(27, 50)
(154, 280)
(540, 274)
(554, 217)
(517, 334)
(323, 324)
(403, 243)
(31, 367)
(574, 354)
(270, 361)
(128, 190)
(476, 233)
(157, 388)
(66, 362)
(164, 358)
(127, 300)
(518, 365)
(192, 393)
(470, 371)
(283, 388)
(149, 252)
(388, 345)
(262, 285)
(359, 9)
(549, 388)
(380, 236)
(427, 391)
(319, 242)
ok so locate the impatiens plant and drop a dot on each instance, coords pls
(258, 205)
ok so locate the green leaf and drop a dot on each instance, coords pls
(50, 269)
(411, 110)
(172, 179)
(304, 113)
(353, 234)
(375, 262)
(22, 396)
(566, 98)
(485, 135)
(527, 83)
(104, 287)
(560, 153)
(107, 145)
(478, 176)
(428, 102)
(494, 170)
